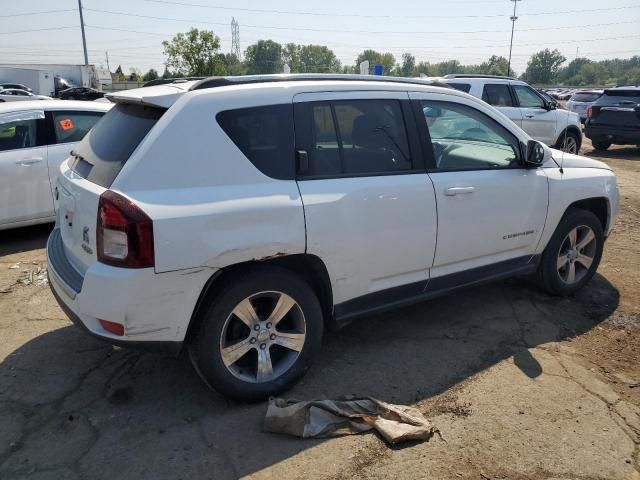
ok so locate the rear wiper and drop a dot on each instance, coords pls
(75, 155)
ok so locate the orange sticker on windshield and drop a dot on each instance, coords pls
(66, 123)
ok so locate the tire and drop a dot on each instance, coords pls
(600, 145)
(71, 97)
(221, 333)
(570, 143)
(560, 257)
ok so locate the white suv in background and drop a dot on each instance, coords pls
(541, 119)
(35, 138)
(242, 216)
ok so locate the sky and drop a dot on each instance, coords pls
(131, 31)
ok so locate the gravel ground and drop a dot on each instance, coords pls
(522, 385)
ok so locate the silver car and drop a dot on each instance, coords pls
(581, 100)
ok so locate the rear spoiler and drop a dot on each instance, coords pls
(162, 96)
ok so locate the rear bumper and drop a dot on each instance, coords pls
(613, 134)
(155, 309)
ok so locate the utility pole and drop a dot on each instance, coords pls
(513, 25)
(107, 55)
(84, 40)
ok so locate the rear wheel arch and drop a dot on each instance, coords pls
(570, 129)
(309, 267)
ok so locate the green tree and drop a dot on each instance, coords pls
(194, 53)
(543, 67)
(166, 73)
(291, 56)
(134, 75)
(317, 59)
(152, 74)
(387, 60)
(408, 65)
(233, 65)
(119, 74)
(496, 65)
(264, 56)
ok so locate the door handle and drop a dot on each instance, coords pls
(450, 192)
(29, 161)
(529, 115)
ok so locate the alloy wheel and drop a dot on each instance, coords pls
(570, 145)
(576, 254)
(263, 337)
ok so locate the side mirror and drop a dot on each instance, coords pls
(537, 154)
(551, 106)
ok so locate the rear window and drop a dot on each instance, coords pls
(585, 97)
(617, 96)
(264, 135)
(100, 156)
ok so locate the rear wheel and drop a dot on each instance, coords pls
(600, 144)
(570, 143)
(259, 335)
(573, 254)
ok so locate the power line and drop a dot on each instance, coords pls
(42, 12)
(322, 14)
(307, 29)
(38, 30)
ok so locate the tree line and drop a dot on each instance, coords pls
(197, 53)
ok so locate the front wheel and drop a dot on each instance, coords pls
(259, 335)
(573, 254)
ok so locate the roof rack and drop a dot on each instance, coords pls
(472, 75)
(213, 82)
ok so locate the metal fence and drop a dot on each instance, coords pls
(116, 86)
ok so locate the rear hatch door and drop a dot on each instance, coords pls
(618, 109)
(92, 168)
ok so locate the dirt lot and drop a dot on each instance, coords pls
(522, 385)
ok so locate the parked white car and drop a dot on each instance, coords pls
(17, 95)
(526, 108)
(241, 216)
(581, 100)
(35, 137)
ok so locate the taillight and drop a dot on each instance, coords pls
(124, 234)
(589, 111)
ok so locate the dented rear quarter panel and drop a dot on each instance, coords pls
(194, 183)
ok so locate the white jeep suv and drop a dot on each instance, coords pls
(540, 118)
(242, 216)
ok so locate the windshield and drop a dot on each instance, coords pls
(100, 156)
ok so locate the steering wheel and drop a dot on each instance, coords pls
(475, 133)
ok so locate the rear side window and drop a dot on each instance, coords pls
(356, 137)
(497, 94)
(102, 153)
(73, 126)
(264, 135)
(463, 87)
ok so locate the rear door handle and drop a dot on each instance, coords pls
(529, 115)
(29, 161)
(450, 192)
